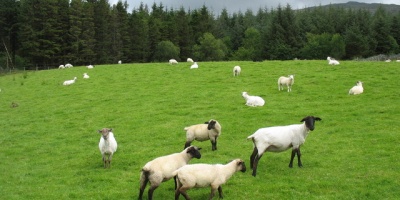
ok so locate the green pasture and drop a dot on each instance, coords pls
(49, 140)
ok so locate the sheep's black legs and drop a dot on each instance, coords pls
(187, 144)
(214, 145)
(221, 196)
(294, 152)
(151, 190)
(143, 182)
(253, 155)
(182, 191)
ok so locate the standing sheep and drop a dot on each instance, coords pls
(107, 145)
(203, 175)
(161, 169)
(357, 89)
(173, 61)
(190, 60)
(288, 81)
(210, 130)
(253, 100)
(279, 139)
(236, 70)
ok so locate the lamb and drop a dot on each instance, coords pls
(90, 66)
(119, 62)
(236, 70)
(190, 60)
(173, 61)
(69, 82)
(161, 169)
(203, 175)
(288, 81)
(107, 145)
(194, 66)
(61, 67)
(85, 76)
(253, 100)
(279, 139)
(210, 130)
(357, 89)
(332, 61)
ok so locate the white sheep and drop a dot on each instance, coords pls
(236, 70)
(61, 67)
(68, 65)
(204, 175)
(253, 100)
(85, 76)
(288, 81)
(194, 66)
(210, 130)
(119, 62)
(281, 138)
(388, 60)
(173, 61)
(397, 60)
(90, 66)
(161, 169)
(69, 82)
(107, 145)
(332, 61)
(190, 60)
(357, 89)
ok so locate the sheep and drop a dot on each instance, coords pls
(68, 65)
(160, 169)
(397, 60)
(279, 139)
(388, 60)
(357, 89)
(90, 66)
(194, 66)
(210, 130)
(332, 61)
(236, 70)
(203, 175)
(107, 145)
(173, 61)
(288, 81)
(253, 100)
(61, 67)
(69, 82)
(190, 60)
(119, 62)
(85, 75)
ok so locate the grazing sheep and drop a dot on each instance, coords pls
(190, 60)
(119, 62)
(357, 89)
(388, 60)
(253, 100)
(68, 65)
(332, 61)
(236, 70)
(173, 61)
(210, 130)
(69, 82)
(85, 75)
(107, 145)
(194, 66)
(281, 138)
(161, 169)
(203, 175)
(288, 81)
(90, 66)
(61, 67)
(397, 60)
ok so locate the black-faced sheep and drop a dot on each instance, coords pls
(210, 130)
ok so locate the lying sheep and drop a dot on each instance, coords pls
(85, 76)
(332, 61)
(161, 169)
(236, 70)
(281, 138)
(119, 61)
(194, 66)
(357, 89)
(107, 145)
(203, 175)
(173, 61)
(61, 67)
(90, 66)
(210, 130)
(68, 65)
(288, 81)
(253, 100)
(70, 82)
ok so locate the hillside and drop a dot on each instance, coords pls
(372, 7)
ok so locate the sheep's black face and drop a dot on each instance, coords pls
(194, 152)
(211, 124)
(242, 165)
(310, 120)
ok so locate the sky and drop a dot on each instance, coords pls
(241, 5)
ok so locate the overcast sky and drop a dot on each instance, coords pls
(235, 5)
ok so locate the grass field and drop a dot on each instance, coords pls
(49, 142)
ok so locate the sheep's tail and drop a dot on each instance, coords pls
(144, 177)
(251, 137)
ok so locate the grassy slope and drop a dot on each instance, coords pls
(49, 142)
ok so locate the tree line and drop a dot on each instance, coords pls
(52, 32)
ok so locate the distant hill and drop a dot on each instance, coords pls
(372, 7)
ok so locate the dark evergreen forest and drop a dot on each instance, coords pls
(47, 33)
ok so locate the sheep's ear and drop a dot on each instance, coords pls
(317, 118)
(99, 131)
(110, 129)
(304, 119)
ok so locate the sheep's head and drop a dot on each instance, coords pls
(211, 124)
(104, 132)
(194, 151)
(244, 94)
(291, 77)
(241, 166)
(309, 121)
(359, 83)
